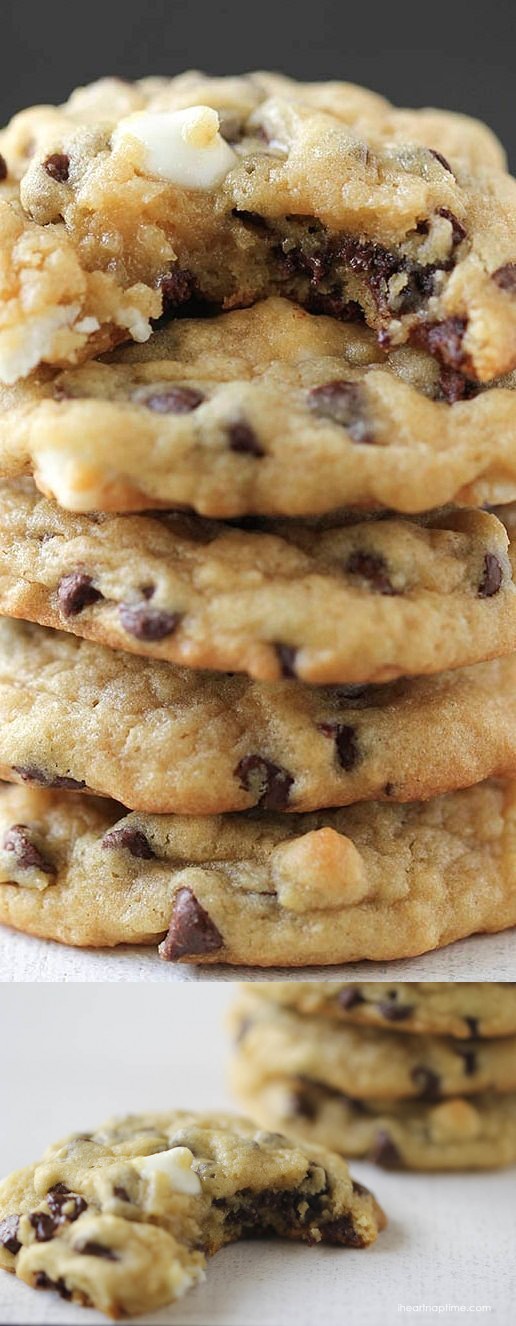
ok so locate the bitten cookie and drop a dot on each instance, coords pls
(123, 1218)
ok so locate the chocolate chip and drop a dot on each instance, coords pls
(455, 387)
(442, 160)
(191, 930)
(287, 658)
(342, 1231)
(394, 1012)
(57, 165)
(470, 1059)
(505, 277)
(3, 168)
(60, 1196)
(171, 400)
(17, 840)
(93, 1249)
(302, 1104)
(122, 1194)
(269, 783)
(44, 1226)
(472, 1025)
(8, 1233)
(30, 773)
(75, 592)
(131, 840)
(147, 623)
(343, 403)
(345, 738)
(177, 288)
(372, 567)
(350, 997)
(359, 1188)
(427, 1082)
(445, 340)
(43, 1281)
(492, 577)
(385, 1152)
(458, 230)
(243, 439)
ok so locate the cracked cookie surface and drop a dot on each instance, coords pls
(367, 602)
(268, 410)
(327, 195)
(159, 738)
(123, 1218)
(371, 881)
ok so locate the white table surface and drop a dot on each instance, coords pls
(71, 1056)
(24, 958)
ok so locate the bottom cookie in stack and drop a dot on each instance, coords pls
(403, 1098)
(370, 880)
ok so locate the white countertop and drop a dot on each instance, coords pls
(24, 958)
(71, 1056)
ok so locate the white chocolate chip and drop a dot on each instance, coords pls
(183, 147)
(176, 1166)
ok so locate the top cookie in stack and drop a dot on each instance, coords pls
(282, 472)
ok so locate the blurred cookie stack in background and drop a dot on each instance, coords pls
(257, 654)
(415, 1076)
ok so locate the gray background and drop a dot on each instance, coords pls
(440, 52)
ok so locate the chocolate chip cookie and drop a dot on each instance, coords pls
(372, 881)
(158, 738)
(464, 1009)
(268, 410)
(215, 194)
(461, 1133)
(368, 602)
(367, 1063)
(122, 1219)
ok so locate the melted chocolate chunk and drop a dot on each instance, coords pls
(44, 1225)
(191, 930)
(444, 340)
(177, 288)
(350, 997)
(344, 403)
(30, 773)
(342, 1231)
(269, 783)
(147, 623)
(130, 840)
(385, 1152)
(3, 167)
(427, 1082)
(455, 387)
(57, 165)
(172, 400)
(444, 163)
(75, 592)
(43, 1281)
(59, 1196)
(17, 840)
(243, 439)
(373, 568)
(345, 738)
(93, 1249)
(505, 277)
(287, 658)
(9, 1232)
(492, 577)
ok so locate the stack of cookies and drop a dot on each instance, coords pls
(416, 1076)
(257, 347)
